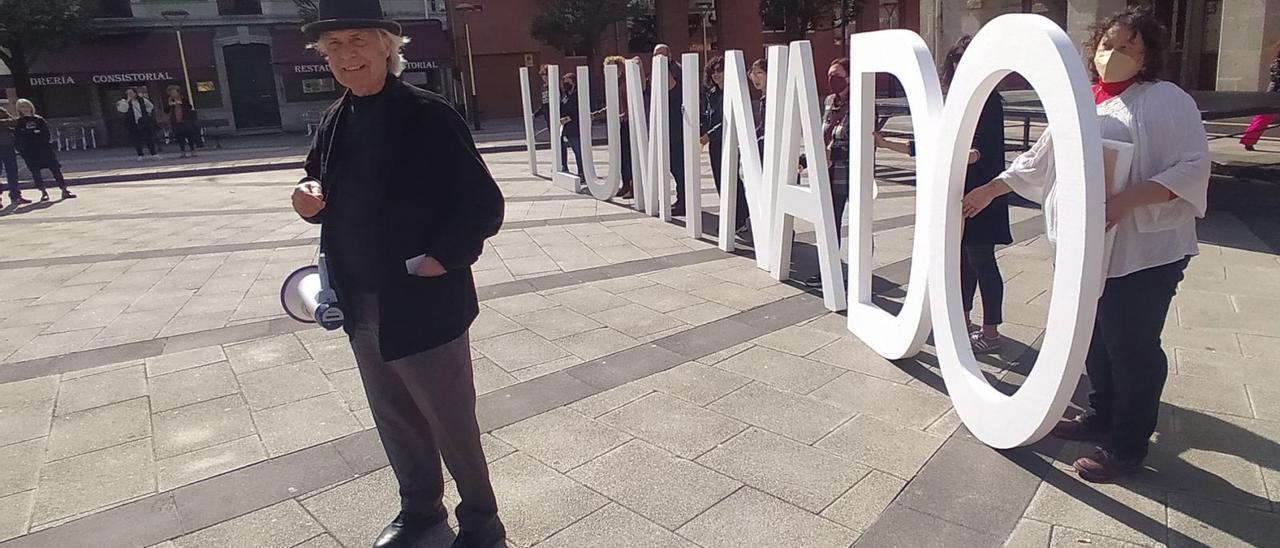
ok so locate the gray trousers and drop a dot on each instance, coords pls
(425, 408)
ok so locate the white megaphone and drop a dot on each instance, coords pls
(307, 296)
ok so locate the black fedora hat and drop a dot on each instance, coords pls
(349, 14)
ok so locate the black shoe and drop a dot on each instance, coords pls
(407, 529)
(67, 195)
(1250, 148)
(21, 201)
(488, 538)
(44, 197)
(677, 210)
(814, 281)
(1081, 428)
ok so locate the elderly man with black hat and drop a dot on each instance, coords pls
(405, 204)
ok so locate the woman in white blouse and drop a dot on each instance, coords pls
(1153, 216)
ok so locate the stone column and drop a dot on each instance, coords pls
(942, 22)
(1243, 60)
(1081, 14)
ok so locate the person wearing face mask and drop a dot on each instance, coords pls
(1153, 215)
(569, 137)
(835, 134)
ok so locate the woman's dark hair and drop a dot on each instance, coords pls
(1147, 27)
(716, 64)
(843, 62)
(761, 64)
(947, 71)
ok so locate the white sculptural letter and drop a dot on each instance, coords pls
(1046, 58)
(801, 119)
(527, 100)
(601, 189)
(903, 54)
(691, 87)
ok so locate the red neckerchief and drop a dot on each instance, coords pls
(1104, 90)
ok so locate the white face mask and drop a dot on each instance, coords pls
(1114, 66)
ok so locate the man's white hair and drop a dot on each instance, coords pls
(395, 44)
(25, 103)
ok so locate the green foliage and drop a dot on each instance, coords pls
(576, 25)
(800, 16)
(307, 10)
(31, 27)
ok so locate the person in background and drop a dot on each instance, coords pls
(182, 118)
(626, 191)
(979, 270)
(759, 76)
(1263, 121)
(1153, 215)
(544, 111)
(34, 142)
(835, 134)
(712, 122)
(675, 121)
(569, 135)
(140, 118)
(9, 156)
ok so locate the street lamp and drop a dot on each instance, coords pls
(176, 18)
(474, 107)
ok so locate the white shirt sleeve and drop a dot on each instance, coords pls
(411, 265)
(1032, 173)
(1175, 137)
(122, 106)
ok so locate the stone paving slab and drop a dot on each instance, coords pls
(639, 388)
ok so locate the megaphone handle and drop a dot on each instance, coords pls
(326, 282)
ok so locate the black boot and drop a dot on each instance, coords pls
(407, 529)
(492, 537)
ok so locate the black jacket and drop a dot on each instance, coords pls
(991, 226)
(34, 141)
(438, 200)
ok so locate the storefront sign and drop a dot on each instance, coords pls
(944, 133)
(408, 66)
(53, 80)
(131, 77)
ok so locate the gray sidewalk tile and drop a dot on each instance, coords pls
(490, 324)
(852, 355)
(696, 383)
(1212, 473)
(139, 523)
(882, 445)
(536, 500)
(332, 355)
(101, 427)
(194, 385)
(796, 340)
(798, 417)
(101, 389)
(960, 469)
(702, 313)
(636, 320)
(118, 474)
(356, 511)
(597, 343)
(15, 513)
(679, 427)
(265, 353)
(860, 506)
(322, 541)
(751, 518)
(519, 350)
(660, 298)
(26, 408)
(304, 423)
(1029, 532)
(616, 527)
(587, 299)
(797, 473)
(520, 401)
(20, 466)
(660, 486)
(912, 407)
(604, 402)
(170, 363)
(520, 304)
(1207, 395)
(1194, 523)
(1258, 346)
(1266, 402)
(280, 526)
(697, 342)
(1125, 512)
(267, 388)
(348, 384)
(557, 323)
(1228, 368)
(561, 438)
(734, 296)
(902, 526)
(626, 366)
(205, 463)
(781, 370)
(201, 425)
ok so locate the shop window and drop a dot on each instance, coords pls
(318, 85)
(239, 7)
(63, 101)
(104, 9)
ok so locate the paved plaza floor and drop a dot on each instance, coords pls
(640, 388)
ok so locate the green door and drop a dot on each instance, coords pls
(253, 86)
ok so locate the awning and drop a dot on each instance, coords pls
(126, 58)
(429, 48)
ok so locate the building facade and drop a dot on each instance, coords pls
(247, 62)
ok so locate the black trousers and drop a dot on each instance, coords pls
(743, 211)
(9, 164)
(676, 147)
(1126, 365)
(425, 408)
(625, 166)
(186, 138)
(142, 134)
(49, 162)
(979, 270)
